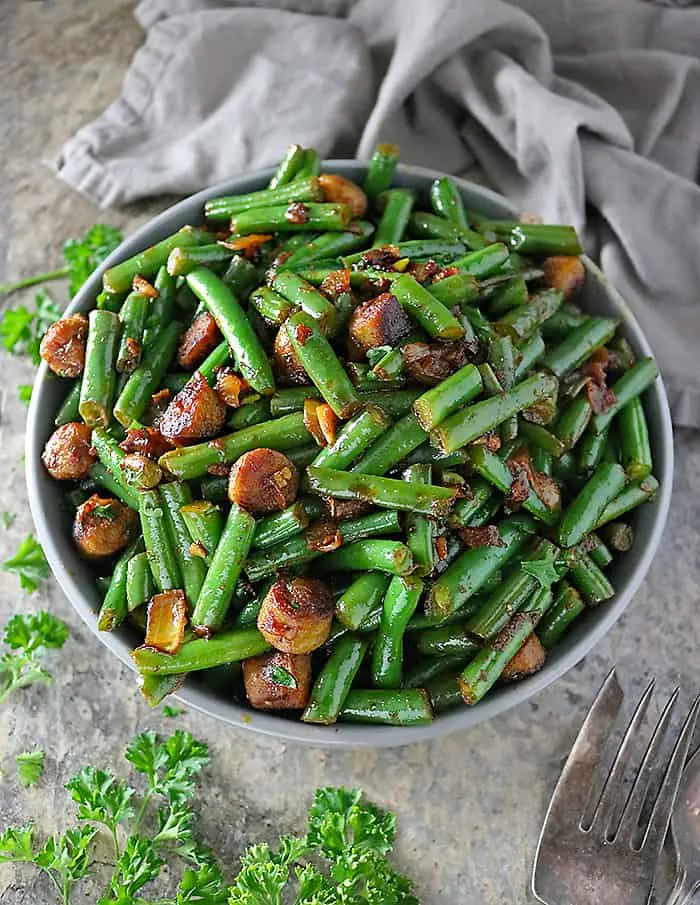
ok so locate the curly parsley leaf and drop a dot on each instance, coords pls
(85, 255)
(29, 563)
(170, 766)
(66, 858)
(543, 570)
(101, 796)
(8, 519)
(339, 820)
(171, 712)
(137, 865)
(21, 330)
(28, 636)
(202, 887)
(30, 767)
(24, 393)
(16, 844)
(260, 883)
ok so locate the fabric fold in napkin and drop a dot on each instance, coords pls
(585, 113)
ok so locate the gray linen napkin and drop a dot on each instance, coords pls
(584, 112)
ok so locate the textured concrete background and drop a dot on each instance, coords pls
(470, 805)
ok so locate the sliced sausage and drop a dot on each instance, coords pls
(287, 365)
(340, 190)
(296, 614)
(63, 345)
(278, 681)
(565, 273)
(263, 480)
(380, 321)
(200, 338)
(68, 454)
(195, 413)
(103, 526)
(430, 363)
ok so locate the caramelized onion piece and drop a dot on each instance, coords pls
(339, 190)
(200, 338)
(167, 618)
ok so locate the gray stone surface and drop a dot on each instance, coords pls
(469, 805)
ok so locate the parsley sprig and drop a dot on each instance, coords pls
(28, 637)
(21, 329)
(30, 766)
(29, 563)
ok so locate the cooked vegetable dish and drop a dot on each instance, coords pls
(362, 459)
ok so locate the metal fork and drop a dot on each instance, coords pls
(603, 850)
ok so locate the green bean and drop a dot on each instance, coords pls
(353, 439)
(147, 263)
(305, 296)
(518, 587)
(490, 467)
(398, 204)
(310, 164)
(394, 404)
(146, 379)
(420, 531)
(585, 510)
(182, 261)
(304, 188)
(159, 547)
(595, 547)
(334, 682)
(303, 455)
(425, 499)
(287, 167)
(285, 401)
(619, 536)
(588, 578)
(443, 690)
(511, 295)
(296, 551)
(541, 438)
(279, 526)
(388, 707)
(555, 622)
(104, 477)
(391, 447)
(204, 522)
(271, 306)
(283, 218)
(502, 360)
(380, 169)
(472, 568)
(99, 378)
(202, 653)
(483, 262)
(372, 555)
(176, 382)
(429, 226)
(447, 202)
(542, 460)
(579, 345)
(631, 385)
(192, 569)
(114, 607)
(430, 248)
(321, 364)
(437, 320)
(475, 420)
(455, 289)
(111, 458)
(250, 414)
(428, 455)
(465, 508)
(241, 276)
(482, 673)
(528, 354)
(640, 492)
(225, 569)
(139, 582)
(451, 640)
(132, 318)
(110, 301)
(519, 323)
(250, 356)
(591, 449)
(573, 421)
(69, 407)
(544, 239)
(634, 440)
(156, 688)
(400, 603)
(363, 597)
(331, 245)
(428, 668)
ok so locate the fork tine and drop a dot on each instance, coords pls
(608, 801)
(629, 819)
(663, 806)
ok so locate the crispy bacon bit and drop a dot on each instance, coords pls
(68, 454)
(249, 245)
(263, 480)
(195, 413)
(441, 547)
(200, 338)
(565, 273)
(597, 366)
(491, 441)
(380, 321)
(323, 536)
(519, 488)
(339, 510)
(63, 345)
(289, 368)
(230, 386)
(485, 536)
(143, 287)
(167, 617)
(336, 283)
(302, 334)
(382, 258)
(296, 614)
(129, 362)
(423, 270)
(545, 487)
(430, 363)
(529, 659)
(277, 681)
(600, 397)
(445, 272)
(297, 213)
(339, 190)
(145, 440)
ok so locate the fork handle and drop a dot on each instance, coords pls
(683, 889)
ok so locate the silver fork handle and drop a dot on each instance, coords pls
(683, 890)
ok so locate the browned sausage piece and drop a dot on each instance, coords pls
(296, 614)
(103, 526)
(167, 617)
(63, 345)
(380, 321)
(200, 338)
(68, 454)
(528, 660)
(340, 190)
(565, 273)
(195, 413)
(278, 681)
(430, 363)
(287, 365)
(263, 480)
(145, 440)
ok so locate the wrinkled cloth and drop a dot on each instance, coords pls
(581, 111)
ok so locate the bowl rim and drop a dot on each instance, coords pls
(342, 735)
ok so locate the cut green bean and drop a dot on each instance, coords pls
(380, 169)
(640, 492)
(447, 641)
(99, 377)
(466, 507)
(634, 440)
(567, 606)
(509, 296)
(304, 189)
(310, 164)
(631, 385)
(354, 438)
(147, 263)
(585, 510)
(490, 467)
(205, 523)
(544, 239)
(305, 296)
(114, 609)
(528, 354)
(334, 682)
(175, 495)
(588, 578)
(520, 323)
(101, 475)
(250, 414)
(291, 218)
(363, 597)
(330, 245)
(202, 653)
(400, 603)
(132, 318)
(279, 526)
(455, 289)
(437, 320)
(539, 437)
(403, 707)
(160, 549)
(391, 447)
(139, 582)
(420, 531)
(438, 403)
(483, 262)
(69, 407)
(573, 421)
(271, 306)
(388, 556)
(591, 449)
(398, 204)
(146, 379)
(447, 202)
(579, 345)
(287, 167)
